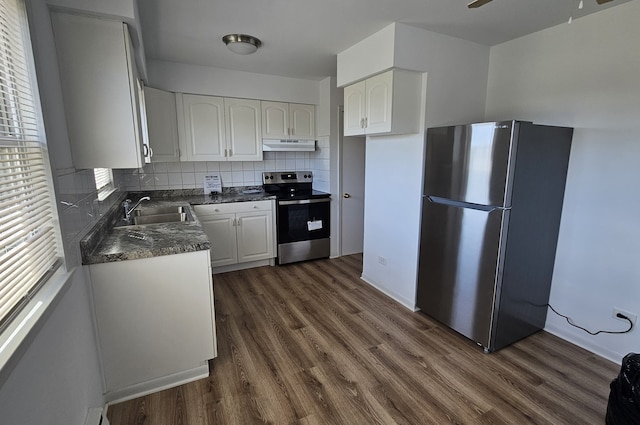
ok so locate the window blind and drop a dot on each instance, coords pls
(103, 177)
(28, 247)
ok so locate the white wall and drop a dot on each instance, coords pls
(186, 78)
(325, 162)
(370, 56)
(586, 75)
(57, 378)
(456, 73)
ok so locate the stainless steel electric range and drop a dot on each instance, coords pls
(302, 216)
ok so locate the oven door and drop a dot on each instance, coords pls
(303, 220)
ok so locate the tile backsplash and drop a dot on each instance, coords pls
(79, 209)
(190, 175)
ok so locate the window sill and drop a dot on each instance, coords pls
(18, 335)
(105, 192)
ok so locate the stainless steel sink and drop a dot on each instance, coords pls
(146, 211)
(157, 215)
(159, 218)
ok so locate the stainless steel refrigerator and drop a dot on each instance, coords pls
(493, 195)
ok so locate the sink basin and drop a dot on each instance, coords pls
(144, 211)
(160, 218)
(157, 215)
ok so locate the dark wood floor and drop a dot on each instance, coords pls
(310, 343)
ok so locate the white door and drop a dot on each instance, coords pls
(243, 120)
(352, 169)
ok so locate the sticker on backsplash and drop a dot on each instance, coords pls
(212, 183)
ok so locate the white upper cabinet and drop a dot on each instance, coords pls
(354, 109)
(288, 121)
(162, 125)
(302, 119)
(218, 129)
(100, 91)
(244, 126)
(275, 120)
(201, 127)
(388, 103)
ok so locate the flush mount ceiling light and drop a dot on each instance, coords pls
(241, 44)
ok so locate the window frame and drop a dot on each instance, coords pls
(27, 317)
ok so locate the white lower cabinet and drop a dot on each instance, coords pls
(155, 321)
(240, 232)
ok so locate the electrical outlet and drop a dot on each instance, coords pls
(632, 316)
(382, 261)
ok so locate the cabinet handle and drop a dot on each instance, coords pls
(293, 131)
(361, 122)
(366, 122)
(230, 152)
(225, 153)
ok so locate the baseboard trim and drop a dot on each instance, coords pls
(584, 343)
(243, 266)
(155, 385)
(406, 303)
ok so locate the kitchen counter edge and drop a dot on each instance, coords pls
(106, 243)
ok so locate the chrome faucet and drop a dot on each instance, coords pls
(127, 203)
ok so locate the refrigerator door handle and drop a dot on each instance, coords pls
(500, 209)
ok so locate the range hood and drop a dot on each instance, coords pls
(277, 145)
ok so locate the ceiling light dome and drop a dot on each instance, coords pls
(241, 44)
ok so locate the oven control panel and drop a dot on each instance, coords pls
(275, 177)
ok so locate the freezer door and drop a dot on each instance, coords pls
(460, 266)
(471, 163)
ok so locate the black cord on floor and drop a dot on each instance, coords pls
(570, 321)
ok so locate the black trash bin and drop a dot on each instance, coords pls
(624, 399)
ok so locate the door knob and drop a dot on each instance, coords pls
(346, 195)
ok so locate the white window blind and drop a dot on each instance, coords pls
(103, 177)
(28, 248)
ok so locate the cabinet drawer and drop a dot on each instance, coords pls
(232, 207)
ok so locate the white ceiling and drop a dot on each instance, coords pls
(302, 37)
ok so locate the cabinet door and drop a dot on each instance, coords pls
(243, 121)
(221, 231)
(162, 124)
(354, 109)
(379, 92)
(302, 119)
(203, 135)
(255, 236)
(275, 120)
(97, 89)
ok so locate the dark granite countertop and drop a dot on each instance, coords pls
(107, 243)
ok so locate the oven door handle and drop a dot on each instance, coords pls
(304, 201)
